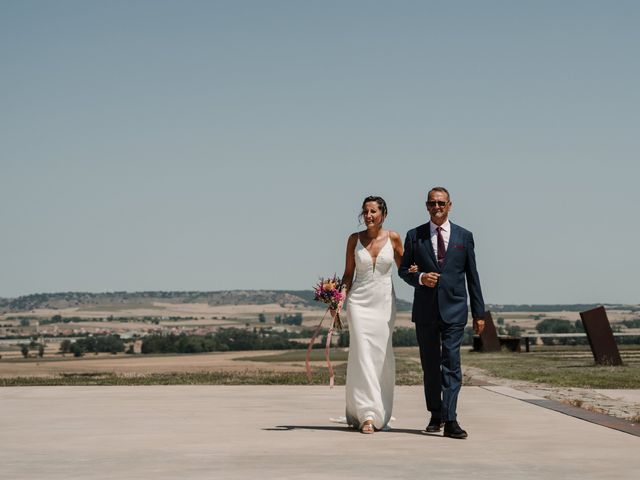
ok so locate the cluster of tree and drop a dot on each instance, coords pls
(509, 329)
(61, 319)
(402, 337)
(223, 340)
(263, 339)
(557, 325)
(294, 319)
(94, 344)
(25, 348)
(635, 323)
(630, 340)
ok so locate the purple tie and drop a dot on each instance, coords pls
(441, 247)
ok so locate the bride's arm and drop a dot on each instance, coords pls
(350, 263)
(398, 248)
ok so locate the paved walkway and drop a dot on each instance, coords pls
(285, 432)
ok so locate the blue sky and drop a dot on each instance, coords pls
(203, 145)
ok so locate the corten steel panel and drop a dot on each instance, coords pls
(489, 336)
(603, 345)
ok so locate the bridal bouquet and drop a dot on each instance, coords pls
(329, 291)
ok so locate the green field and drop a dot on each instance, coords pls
(569, 367)
(290, 356)
(265, 377)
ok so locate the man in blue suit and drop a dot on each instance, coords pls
(442, 256)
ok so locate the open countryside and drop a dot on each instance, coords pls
(38, 333)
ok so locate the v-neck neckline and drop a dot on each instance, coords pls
(374, 260)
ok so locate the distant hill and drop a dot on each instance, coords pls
(223, 297)
(300, 298)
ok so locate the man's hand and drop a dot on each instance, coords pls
(430, 279)
(478, 325)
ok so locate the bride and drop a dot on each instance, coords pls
(371, 312)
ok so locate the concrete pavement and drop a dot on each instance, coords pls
(285, 432)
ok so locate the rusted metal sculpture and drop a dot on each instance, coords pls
(603, 345)
(488, 340)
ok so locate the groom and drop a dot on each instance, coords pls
(443, 253)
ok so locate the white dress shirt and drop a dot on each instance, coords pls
(433, 234)
(446, 233)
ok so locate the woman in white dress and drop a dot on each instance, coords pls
(371, 311)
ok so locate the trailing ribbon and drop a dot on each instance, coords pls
(327, 347)
(334, 314)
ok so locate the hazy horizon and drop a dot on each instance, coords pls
(211, 145)
(129, 292)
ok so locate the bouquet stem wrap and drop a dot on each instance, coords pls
(335, 323)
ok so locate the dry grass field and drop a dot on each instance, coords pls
(123, 364)
(167, 310)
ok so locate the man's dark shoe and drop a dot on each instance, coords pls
(453, 430)
(435, 424)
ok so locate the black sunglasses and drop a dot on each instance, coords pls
(439, 203)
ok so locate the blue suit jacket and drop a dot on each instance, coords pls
(449, 297)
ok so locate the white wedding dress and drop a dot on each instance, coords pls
(371, 313)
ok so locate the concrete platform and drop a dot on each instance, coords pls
(285, 432)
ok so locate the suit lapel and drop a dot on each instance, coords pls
(429, 245)
(453, 240)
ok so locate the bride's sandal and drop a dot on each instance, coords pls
(367, 427)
